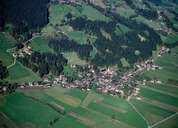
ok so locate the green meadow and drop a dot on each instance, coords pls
(152, 113)
(171, 39)
(40, 44)
(73, 58)
(27, 112)
(169, 70)
(158, 96)
(19, 73)
(85, 109)
(6, 42)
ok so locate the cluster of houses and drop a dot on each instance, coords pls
(103, 79)
(147, 65)
(26, 50)
(162, 50)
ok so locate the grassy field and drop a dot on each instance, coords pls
(6, 42)
(74, 123)
(57, 16)
(58, 13)
(125, 10)
(152, 113)
(79, 113)
(166, 88)
(169, 71)
(73, 58)
(171, 39)
(118, 109)
(27, 112)
(41, 45)
(153, 24)
(6, 122)
(93, 14)
(170, 123)
(72, 97)
(84, 109)
(157, 96)
(19, 73)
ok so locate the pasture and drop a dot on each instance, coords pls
(6, 42)
(73, 58)
(171, 39)
(27, 112)
(58, 13)
(152, 113)
(40, 44)
(158, 96)
(169, 70)
(87, 109)
(19, 73)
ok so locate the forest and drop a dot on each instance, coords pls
(24, 15)
(65, 45)
(44, 63)
(3, 71)
(110, 51)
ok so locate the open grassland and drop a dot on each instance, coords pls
(85, 109)
(124, 10)
(93, 14)
(58, 13)
(151, 23)
(158, 96)
(6, 42)
(40, 44)
(166, 88)
(19, 73)
(81, 37)
(77, 93)
(152, 113)
(27, 112)
(70, 122)
(169, 123)
(99, 120)
(73, 58)
(120, 110)
(171, 39)
(65, 97)
(44, 97)
(6, 122)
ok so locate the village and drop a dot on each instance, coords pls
(103, 80)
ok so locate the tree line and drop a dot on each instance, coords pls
(65, 44)
(44, 63)
(5, 86)
(110, 51)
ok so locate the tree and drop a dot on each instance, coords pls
(3, 71)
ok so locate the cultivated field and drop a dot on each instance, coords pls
(19, 73)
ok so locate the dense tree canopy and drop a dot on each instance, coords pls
(44, 63)
(3, 71)
(25, 15)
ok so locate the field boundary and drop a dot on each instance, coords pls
(167, 118)
(160, 91)
(147, 123)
